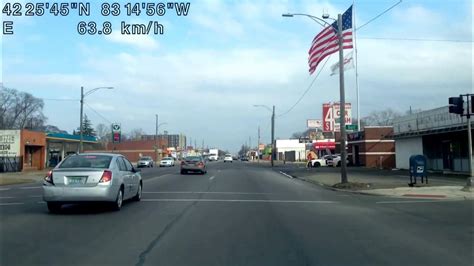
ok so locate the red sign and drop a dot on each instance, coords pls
(332, 114)
(324, 145)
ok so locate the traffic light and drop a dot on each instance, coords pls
(456, 105)
(472, 104)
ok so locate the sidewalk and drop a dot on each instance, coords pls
(392, 183)
(22, 177)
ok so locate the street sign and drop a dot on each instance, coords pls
(352, 127)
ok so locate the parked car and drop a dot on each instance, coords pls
(335, 160)
(318, 162)
(145, 161)
(167, 162)
(244, 159)
(193, 164)
(92, 177)
(228, 158)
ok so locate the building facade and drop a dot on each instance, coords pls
(374, 147)
(437, 134)
(177, 141)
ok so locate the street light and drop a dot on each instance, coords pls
(273, 127)
(342, 100)
(83, 95)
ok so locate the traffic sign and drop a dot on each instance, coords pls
(352, 127)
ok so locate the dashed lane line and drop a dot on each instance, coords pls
(416, 201)
(30, 187)
(205, 192)
(11, 203)
(212, 177)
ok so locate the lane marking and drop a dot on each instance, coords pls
(205, 192)
(242, 200)
(7, 197)
(287, 175)
(413, 201)
(155, 177)
(424, 196)
(4, 189)
(212, 177)
(11, 203)
(30, 187)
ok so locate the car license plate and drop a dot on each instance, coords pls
(76, 180)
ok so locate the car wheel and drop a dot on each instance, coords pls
(183, 172)
(117, 205)
(138, 197)
(317, 164)
(54, 207)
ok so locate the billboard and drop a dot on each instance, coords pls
(9, 143)
(332, 114)
(314, 123)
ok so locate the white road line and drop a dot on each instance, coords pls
(4, 189)
(6, 197)
(11, 203)
(414, 201)
(242, 200)
(204, 192)
(212, 177)
(41, 202)
(30, 187)
(35, 196)
(153, 178)
(285, 174)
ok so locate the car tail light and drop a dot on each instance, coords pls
(200, 164)
(106, 176)
(49, 177)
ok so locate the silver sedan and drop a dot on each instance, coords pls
(92, 177)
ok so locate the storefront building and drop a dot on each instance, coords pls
(374, 147)
(22, 150)
(436, 134)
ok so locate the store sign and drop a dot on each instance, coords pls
(332, 114)
(314, 123)
(10, 143)
(116, 133)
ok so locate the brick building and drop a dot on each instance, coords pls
(372, 147)
(134, 149)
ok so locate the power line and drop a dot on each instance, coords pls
(379, 15)
(414, 39)
(69, 100)
(306, 91)
(97, 113)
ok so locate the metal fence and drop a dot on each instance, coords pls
(10, 164)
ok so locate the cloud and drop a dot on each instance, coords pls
(137, 41)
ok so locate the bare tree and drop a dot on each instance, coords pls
(136, 134)
(381, 118)
(103, 132)
(20, 110)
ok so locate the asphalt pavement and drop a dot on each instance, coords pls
(236, 214)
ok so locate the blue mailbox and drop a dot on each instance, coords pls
(417, 168)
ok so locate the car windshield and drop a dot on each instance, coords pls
(86, 161)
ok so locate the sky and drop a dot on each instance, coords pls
(208, 69)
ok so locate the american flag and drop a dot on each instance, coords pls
(326, 42)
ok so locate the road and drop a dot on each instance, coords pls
(236, 214)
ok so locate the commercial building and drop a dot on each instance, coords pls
(374, 147)
(290, 150)
(24, 150)
(177, 141)
(437, 134)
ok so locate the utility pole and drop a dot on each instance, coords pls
(156, 137)
(80, 124)
(258, 145)
(273, 135)
(342, 109)
(469, 141)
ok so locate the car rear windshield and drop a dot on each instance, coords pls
(168, 159)
(145, 158)
(86, 161)
(193, 159)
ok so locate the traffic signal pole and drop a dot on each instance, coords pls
(469, 141)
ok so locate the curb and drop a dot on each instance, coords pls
(439, 197)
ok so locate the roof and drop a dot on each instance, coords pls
(71, 138)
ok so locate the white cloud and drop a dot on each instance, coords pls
(137, 41)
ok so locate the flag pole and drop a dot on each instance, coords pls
(356, 68)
